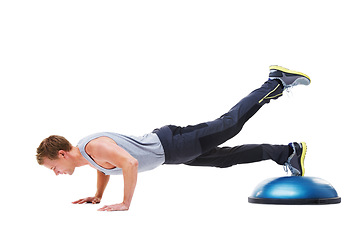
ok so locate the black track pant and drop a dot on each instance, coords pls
(197, 145)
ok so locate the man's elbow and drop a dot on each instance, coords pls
(133, 163)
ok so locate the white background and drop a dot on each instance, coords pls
(73, 68)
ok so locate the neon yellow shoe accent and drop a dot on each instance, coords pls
(303, 157)
(266, 97)
(274, 67)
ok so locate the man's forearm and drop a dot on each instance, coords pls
(102, 181)
(130, 178)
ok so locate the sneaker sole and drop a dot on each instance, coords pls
(274, 67)
(304, 147)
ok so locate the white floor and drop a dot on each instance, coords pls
(76, 67)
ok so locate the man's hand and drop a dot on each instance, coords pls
(115, 207)
(93, 200)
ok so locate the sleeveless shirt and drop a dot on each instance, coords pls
(147, 150)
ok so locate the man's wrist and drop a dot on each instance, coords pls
(126, 203)
(98, 195)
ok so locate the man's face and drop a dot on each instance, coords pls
(61, 165)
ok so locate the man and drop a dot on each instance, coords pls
(112, 153)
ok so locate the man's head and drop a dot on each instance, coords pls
(54, 153)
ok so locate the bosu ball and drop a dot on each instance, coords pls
(294, 191)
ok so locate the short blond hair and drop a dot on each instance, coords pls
(50, 147)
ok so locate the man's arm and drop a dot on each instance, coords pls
(102, 181)
(108, 153)
(130, 172)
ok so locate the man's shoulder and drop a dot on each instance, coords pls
(98, 144)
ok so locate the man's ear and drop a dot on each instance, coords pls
(61, 154)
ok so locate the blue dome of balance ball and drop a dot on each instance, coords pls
(294, 191)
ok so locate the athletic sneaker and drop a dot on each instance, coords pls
(296, 160)
(288, 77)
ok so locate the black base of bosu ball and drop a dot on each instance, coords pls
(294, 191)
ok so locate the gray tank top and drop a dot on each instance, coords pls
(146, 149)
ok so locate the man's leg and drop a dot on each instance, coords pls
(184, 144)
(227, 157)
(231, 123)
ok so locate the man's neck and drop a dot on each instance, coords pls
(78, 158)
